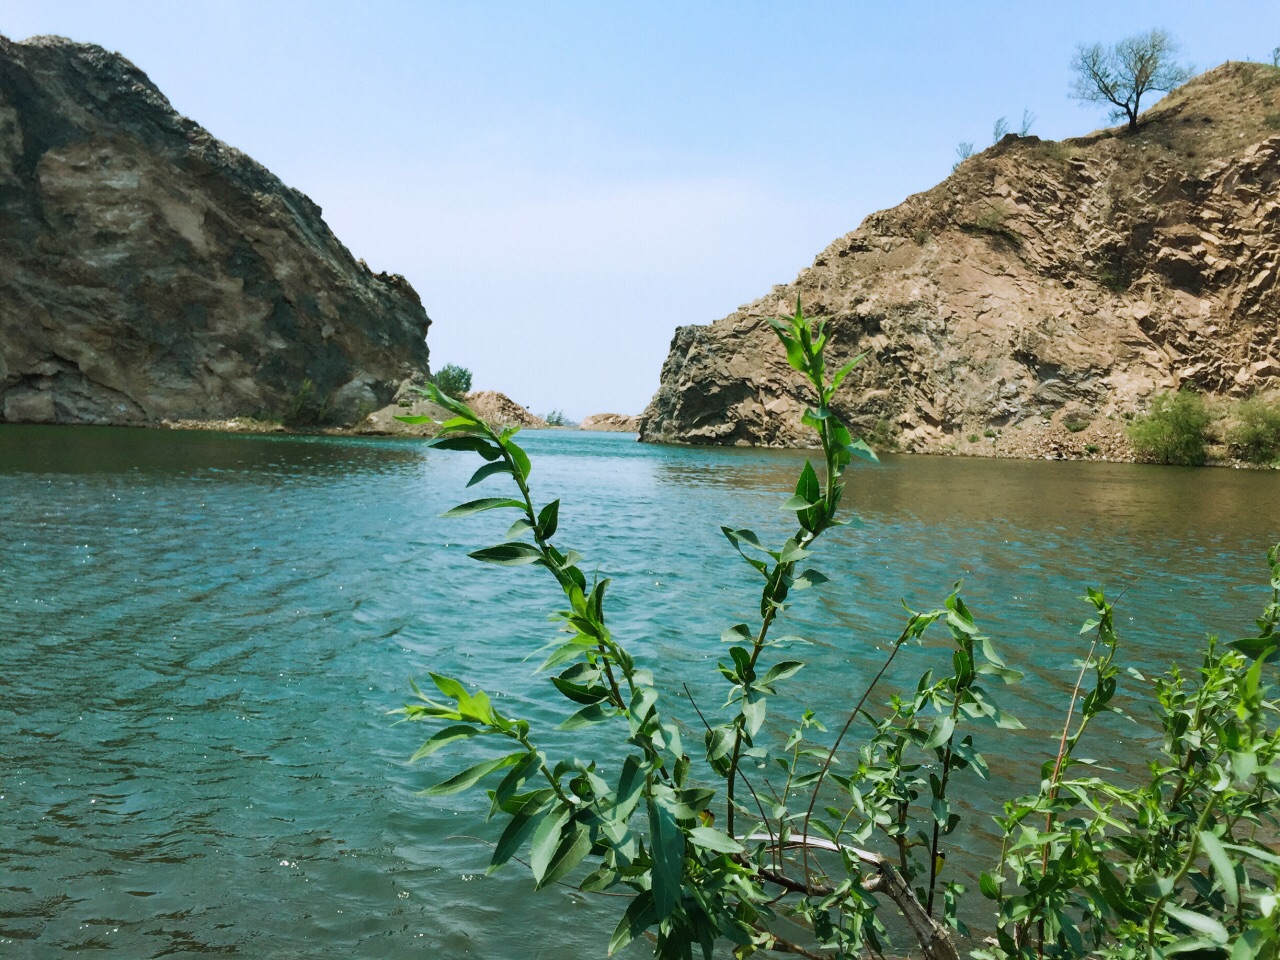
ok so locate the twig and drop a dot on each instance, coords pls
(934, 940)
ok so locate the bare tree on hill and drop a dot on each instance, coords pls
(1121, 74)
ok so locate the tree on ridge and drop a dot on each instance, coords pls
(1121, 74)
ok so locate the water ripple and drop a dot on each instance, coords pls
(202, 636)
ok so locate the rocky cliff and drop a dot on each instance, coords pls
(149, 271)
(1041, 289)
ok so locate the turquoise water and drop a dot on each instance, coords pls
(201, 636)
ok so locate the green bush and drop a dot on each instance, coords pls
(1075, 422)
(1256, 434)
(1175, 431)
(556, 418)
(453, 381)
(1174, 860)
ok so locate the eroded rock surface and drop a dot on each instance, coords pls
(610, 422)
(150, 272)
(1041, 284)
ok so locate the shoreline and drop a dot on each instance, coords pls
(986, 448)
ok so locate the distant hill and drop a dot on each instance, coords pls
(1042, 284)
(150, 272)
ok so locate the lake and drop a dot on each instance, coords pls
(201, 636)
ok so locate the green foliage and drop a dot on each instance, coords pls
(303, 410)
(1075, 422)
(1122, 74)
(556, 418)
(884, 435)
(453, 381)
(707, 851)
(1175, 431)
(992, 222)
(1255, 437)
(990, 433)
(1114, 276)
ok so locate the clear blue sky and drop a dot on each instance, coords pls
(565, 183)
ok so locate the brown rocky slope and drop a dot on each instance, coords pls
(1030, 301)
(150, 272)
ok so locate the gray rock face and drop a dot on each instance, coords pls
(1040, 283)
(150, 272)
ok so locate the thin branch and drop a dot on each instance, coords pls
(935, 941)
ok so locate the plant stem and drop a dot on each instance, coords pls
(826, 764)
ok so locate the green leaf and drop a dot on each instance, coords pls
(796, 502)
(481, 505)
(584, 693)
(989, 886)
(455, 424)
(514, 780)
(1223, 866)
(566, 652)
(710, 839)
(1258, 648)
(667, 843)
(575, 844)
(520, 528)
(546, 840)
(810, 578)
(782, 670)
(449, 687)
(807, 486)
(508, 554)
(446, 401)
(414, 420)
(480, 445)
(1199, 923)
(523, 821)
(489, 470)
(595, 713)
(943, 728)
(753, 710)
(791, 552)
(445, 737)
(640, 915)
(795, 352)
(860, 449)
(599, 880)
(471, 776)
(630, 788)
(844, 371)
(520, 458)
(548, 519)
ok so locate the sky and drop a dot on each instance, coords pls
(566, 183)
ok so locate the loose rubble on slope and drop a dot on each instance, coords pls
(610, 422)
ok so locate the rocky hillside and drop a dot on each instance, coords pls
(1032, 299)
(150, 272)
